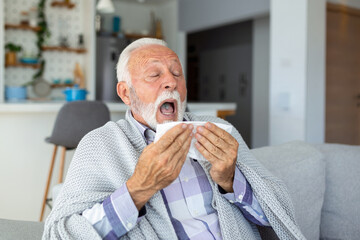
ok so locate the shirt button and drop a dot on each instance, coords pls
(186, 179)
(240, 197)
(261, 216)
(231, 201)
(196, 212)
(129, 225)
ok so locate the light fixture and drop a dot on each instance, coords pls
(105, 6)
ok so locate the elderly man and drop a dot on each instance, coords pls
(123, 185)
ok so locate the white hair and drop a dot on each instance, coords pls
(122, 69)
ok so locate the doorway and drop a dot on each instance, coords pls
(343, 75)
(219, 69)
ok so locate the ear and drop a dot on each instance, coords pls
(123, 92)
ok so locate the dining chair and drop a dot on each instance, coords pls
(73, 121)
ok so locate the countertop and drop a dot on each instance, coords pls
(53, 107)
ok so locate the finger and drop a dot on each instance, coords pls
(214, 139)
(208, 156)
(209, 146)
(179, 142)
(169, 137)
(227, 137)
(180, 156)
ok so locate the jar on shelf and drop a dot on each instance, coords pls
(24, 18)
(33, 16)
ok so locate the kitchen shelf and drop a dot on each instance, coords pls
(61, 85)
(34, 66)
(65, 4)
(64, 49)
(137, 36)
(22, 27)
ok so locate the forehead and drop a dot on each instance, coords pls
(151, 54)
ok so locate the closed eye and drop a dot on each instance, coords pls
(176, 74)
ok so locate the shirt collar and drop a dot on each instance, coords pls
(142, 128)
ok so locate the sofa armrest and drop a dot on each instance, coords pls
(13, 229)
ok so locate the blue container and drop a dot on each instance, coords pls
(15, 94)
(75, 94)
(116, 24)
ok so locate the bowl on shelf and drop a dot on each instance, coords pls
(29, 60)
(75, 93)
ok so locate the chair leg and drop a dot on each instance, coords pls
(62, 162)
(48, 182)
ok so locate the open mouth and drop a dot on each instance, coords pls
(168, 107)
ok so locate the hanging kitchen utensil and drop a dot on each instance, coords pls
(41, 87)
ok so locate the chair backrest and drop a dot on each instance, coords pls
(75, 119)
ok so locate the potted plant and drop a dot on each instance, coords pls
(10, 57)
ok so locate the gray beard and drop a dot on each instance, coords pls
(148, 110)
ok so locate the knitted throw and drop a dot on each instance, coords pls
(106, 158)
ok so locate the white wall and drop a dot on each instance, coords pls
(201, 14)
(296, 42)
(316, 60)
(260, 84)
(168, 14)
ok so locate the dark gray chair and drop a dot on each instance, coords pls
(74, 120)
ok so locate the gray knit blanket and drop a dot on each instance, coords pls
(106, 158)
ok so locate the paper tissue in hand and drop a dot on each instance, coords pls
(193, 153)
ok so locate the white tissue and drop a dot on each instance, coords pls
(161, 129)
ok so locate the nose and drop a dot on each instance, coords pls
(170, 82)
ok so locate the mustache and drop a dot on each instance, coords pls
(168, 95)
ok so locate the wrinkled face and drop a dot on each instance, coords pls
(158, 91)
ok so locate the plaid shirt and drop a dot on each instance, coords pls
(187, 199)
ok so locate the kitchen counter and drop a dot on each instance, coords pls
(47, 107)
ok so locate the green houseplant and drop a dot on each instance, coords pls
(41, 35)
(12, 50)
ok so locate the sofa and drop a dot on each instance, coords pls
(323, 181)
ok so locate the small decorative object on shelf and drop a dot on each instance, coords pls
(66, 3)
(10, 56)
(33, 17)
(81, 44)
(24, 19)
(15, 93)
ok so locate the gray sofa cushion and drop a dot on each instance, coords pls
(340, 217)
(11, 229)
(302, 168)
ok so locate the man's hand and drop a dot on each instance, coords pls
(160, 164)
(220, 149)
